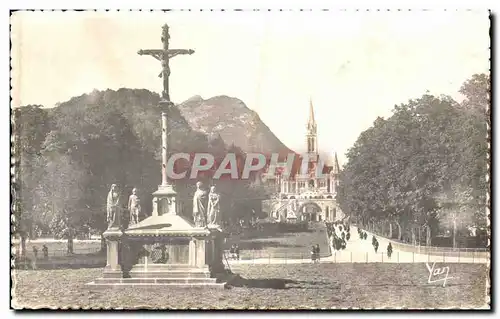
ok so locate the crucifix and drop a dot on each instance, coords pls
(164, 55)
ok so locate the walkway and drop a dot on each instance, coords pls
(361, 251)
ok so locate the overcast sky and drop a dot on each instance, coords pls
(354, 65)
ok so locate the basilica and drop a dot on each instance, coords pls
(305, 195)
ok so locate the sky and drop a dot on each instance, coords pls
(354, 66)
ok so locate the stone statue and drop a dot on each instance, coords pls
(134, 207)
(200, 206)
(113, 207)
(213, 216)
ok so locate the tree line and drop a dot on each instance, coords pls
(424, 169)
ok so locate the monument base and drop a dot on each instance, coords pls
(164, 251)
(178, 276)
(159, 275)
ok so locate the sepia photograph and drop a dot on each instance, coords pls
(248, 159)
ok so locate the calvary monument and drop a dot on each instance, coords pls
(166, 248)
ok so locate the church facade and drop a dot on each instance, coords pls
(306, 195)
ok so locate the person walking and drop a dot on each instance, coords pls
(338, 243)
(375, 245)
(389, 250)
(237, 251)
(35, 257)
(313, 254)
(232, 251)
(45, 251)
(318, 258)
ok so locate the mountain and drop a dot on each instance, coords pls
(235, 123)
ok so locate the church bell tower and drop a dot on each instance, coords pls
(312, 138)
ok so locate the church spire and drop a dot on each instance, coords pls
(336, 166)
(311, 113)
(311, 136)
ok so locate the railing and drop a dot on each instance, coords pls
(63, 252)
(407, 257)
(265, 257)
(433, 250)
(449, 249)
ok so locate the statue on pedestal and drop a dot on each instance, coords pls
(200, 206)
(134, 207)
(213, 216)
(113, 207)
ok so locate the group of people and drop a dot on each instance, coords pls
(339, 242)
(234, 252)
(362, 234)
(375, 243)
(315, 254)
(45, 251)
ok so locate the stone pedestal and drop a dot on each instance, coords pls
(207, 251)
(113, 238)
(164, 250)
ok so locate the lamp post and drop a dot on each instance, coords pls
(454, 230)
(419, 232)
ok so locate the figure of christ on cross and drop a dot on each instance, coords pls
(164, 55)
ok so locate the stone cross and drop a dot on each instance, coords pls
(164, 55)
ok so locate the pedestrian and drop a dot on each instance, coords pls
(376, 245)
(313, 254)
(365, 236)
(389, 250)
(33, 262)
(373, 240)
(318, 257)
(45, 251)
(237, 251)
(360, 235)
(348, 236)
(339, 244)
(232, 251)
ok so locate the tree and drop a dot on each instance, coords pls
(31, 125)
(408, 168)
(59, 197)
(84, 145)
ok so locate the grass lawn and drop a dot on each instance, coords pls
(309, 286)
(291, 245)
